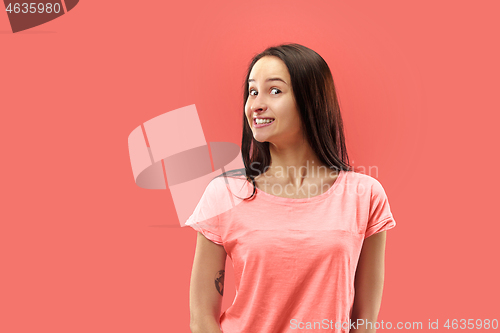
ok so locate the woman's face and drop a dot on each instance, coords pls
(271, 96)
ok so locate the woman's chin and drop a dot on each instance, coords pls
(261, 139)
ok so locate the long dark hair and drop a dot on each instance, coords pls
(318, 106)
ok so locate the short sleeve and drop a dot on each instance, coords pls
(380, 216)
(205, 218)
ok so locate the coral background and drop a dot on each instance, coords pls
(84, 249)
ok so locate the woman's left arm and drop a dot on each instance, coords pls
(369, 284)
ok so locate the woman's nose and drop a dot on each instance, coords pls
(258, 104)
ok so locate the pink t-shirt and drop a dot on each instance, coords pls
(294, 259)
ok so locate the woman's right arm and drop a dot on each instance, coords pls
(207, 286)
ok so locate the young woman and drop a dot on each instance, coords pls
(308, 244)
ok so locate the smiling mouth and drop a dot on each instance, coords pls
(263, 123)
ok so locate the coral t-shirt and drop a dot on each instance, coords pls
(294, 260)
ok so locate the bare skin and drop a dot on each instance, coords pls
(280, 187)
(207, 286)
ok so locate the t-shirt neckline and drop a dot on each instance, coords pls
(322, 196)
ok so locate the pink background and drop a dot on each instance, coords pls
(84, 249)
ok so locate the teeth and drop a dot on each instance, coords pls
(263, 121)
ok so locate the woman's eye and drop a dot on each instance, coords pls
(252, 91)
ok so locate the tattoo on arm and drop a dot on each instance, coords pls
(219, 281)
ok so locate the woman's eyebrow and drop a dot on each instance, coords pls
(270, 79)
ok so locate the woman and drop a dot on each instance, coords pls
(308, 245)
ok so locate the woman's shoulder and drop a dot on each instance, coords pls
(365, 183)
(361, 177)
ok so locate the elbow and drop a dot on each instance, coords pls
(194, 328)
(207, 325)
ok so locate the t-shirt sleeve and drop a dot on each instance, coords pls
(205, 218)
(380, 216)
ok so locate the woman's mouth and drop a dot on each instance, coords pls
(262, 123)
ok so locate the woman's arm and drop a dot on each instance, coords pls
(207, 286)
(369, 283)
